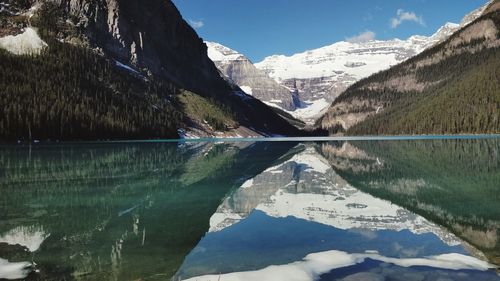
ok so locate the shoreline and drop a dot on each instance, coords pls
(268, 139)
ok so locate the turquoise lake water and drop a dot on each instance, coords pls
(425, 208)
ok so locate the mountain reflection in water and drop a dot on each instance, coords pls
(371, 210)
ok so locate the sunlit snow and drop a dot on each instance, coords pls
(314, 265)
(24, 43)
(247, 89)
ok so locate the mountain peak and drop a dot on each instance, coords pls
(240, 70)
(445, 31)
(322, 74)
(451, 25)
(472, 16)
(221, 53)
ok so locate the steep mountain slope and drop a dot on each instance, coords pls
(254, 82)
(144, 55)
(240, 70)
(453, 87)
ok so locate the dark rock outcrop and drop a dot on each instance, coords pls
(151, 35)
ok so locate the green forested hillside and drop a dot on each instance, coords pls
(468, 103)
(202, 110)
(68, 92)
(452, 88)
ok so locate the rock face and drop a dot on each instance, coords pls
(251, 80)
(150, 35)
(152, 41)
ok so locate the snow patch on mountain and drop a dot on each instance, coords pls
(128, 68)
(220, 53)
(310, 110)
(24, 43)
(247, 89)
(444, 32)
(333, 60)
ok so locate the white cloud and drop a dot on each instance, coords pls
(196, 23)
(403, 15)
(362, 37)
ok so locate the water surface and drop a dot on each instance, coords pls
(296, 210)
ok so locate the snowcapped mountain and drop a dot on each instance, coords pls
(472, 16)
(305, 84)
(306, 187)
(251, 80)
(319, 76)
(466, 52)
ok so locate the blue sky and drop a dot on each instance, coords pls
(260, 28)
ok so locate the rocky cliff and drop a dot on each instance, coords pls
(253, 81)
(149, 35)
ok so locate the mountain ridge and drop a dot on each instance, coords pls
(449, 88)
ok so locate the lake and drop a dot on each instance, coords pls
(382, 209)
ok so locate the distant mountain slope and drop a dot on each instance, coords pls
(305, 84)
(115, 69)
(453, 87)
(253, 81)
(318, 76)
